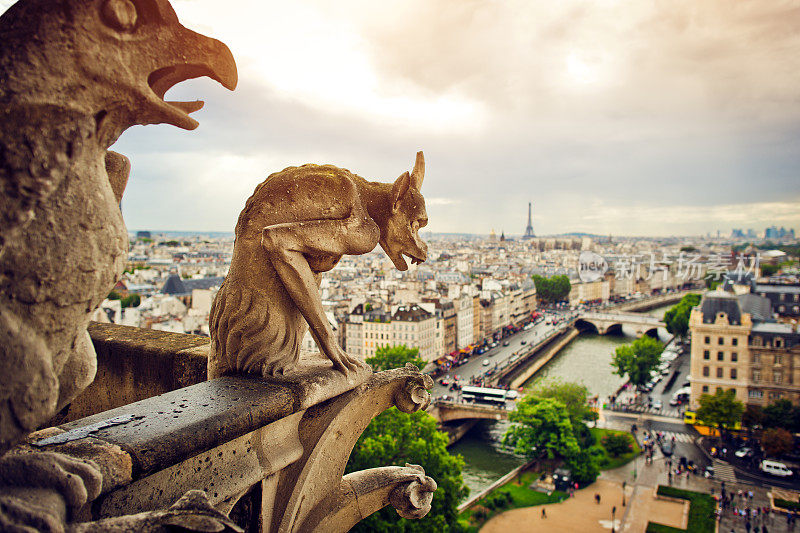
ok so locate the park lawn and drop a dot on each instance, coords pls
(607, 462)
(701, 512)
(787, 504)
(521, 496)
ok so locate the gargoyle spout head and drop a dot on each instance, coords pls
(109, 59)
(160, 53)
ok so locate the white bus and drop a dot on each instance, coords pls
(487, 395)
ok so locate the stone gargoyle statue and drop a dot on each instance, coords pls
(299, 223)
(74, 74)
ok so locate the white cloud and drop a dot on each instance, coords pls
(613, 116)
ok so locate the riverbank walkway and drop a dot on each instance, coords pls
(583, 513)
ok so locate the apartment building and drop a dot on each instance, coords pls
(774, 363)
(415, 327)
(592, 291)
(476, 318)
(719, 356)
(464, 321)
(737, 344)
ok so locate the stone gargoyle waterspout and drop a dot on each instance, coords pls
(74, 74)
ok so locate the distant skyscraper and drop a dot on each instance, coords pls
(529, 230)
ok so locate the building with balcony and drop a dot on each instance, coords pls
(737, 344)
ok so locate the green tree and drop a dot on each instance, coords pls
(753, 416)
(585, 465)
(541, 427)
(552, 290)
(394, 437)
(776, 441)
(574, 396)
(721, 410)
(113, 295)
(543, 288)
(677, 317)
(132, 300)
(389, 357)
(561, 286)
(688, 249)
(768, 269)
(638, 359)
(617, 444)
(712, 280)
(779, 414)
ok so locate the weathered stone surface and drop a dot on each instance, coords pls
(75, 75)
(314, 381)
(191, 513)
(134, 364)
(188, 421)
(312, 495)
(298, 224)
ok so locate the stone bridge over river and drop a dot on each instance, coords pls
(445, 412)
(609, 322)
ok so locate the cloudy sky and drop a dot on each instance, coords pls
(613, 117)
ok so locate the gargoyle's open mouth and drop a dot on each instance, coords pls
(163, 79)
(414, 259)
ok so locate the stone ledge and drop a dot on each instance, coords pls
(135, 363)
(185, 422)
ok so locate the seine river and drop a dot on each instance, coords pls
(585, 360)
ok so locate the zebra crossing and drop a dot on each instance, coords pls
(664, 411)
(674, 413)
(723, 471)
(679, 437)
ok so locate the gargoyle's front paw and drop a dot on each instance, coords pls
(346, 363)
(78, 481)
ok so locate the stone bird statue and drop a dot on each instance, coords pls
(75, 74)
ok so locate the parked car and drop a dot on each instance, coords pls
(657, 405)
(775, 468)
(485, 362)
(744, 452)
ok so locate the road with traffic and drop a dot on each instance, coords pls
(495, 356)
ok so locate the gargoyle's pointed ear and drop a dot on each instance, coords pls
(399, 189)
(418, 174)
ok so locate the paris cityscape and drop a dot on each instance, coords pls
(472, 314)
(528, 266)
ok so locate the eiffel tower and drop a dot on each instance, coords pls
(529, 230)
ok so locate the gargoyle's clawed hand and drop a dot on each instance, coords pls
(344, 362)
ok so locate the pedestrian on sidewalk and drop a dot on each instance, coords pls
(544, 513)
(597, 498)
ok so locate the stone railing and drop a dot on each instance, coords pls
(270, 452)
